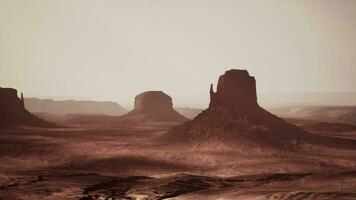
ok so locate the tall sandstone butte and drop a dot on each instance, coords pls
(234, 118)
(13, 112)
(155, 106)
(236, 90)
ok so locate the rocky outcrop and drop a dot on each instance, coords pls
(154, 106)
(13, 112)
(235, 119)
(236, 90)
(10, 103)
(66, 107)
(153, 102)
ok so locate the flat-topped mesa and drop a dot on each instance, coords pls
(153, 101)
(153, 106)
(236, 90)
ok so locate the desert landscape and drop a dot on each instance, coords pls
(233, 150)
(177, 100)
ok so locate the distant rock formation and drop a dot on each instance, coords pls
(13, 112)
(154, 106)
(235, 119)
(333, 114)
(66, 107)
(187, 112)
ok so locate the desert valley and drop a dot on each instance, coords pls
(234, 149)
(177, 100)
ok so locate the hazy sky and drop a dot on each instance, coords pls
(114, 49)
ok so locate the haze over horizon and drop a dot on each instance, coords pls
(113, 50)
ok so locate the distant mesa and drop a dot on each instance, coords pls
(235, 119)
(13, 112)
(154, 106)
(332, 114)
(65, 107)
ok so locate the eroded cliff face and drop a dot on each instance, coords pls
(154, 106)
(236, 90)
(13, 112)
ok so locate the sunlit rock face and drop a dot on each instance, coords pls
(154, 106)
(13, 112)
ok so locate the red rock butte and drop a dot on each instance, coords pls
(154, 106)
(153, 101)
(10, 104)
(13, 112)
(235, 119)
(236, 90)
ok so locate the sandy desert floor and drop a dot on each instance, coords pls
(125, 162)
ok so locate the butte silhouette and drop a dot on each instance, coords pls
(13, 112)
(153, 106)
(234, 118)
